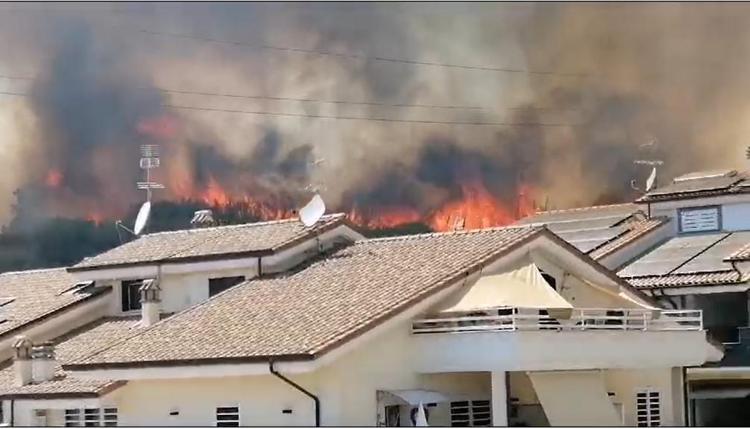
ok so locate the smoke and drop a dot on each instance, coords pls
(619, 76)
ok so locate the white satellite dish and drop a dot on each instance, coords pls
(651, 180)
(311, 213)
(142, 218)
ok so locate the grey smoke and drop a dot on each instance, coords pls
(676, 72)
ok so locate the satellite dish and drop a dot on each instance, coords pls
(311, 213)
(142, 218)
(651, 180)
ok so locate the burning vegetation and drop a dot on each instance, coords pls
(420, 125)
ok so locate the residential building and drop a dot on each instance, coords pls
(697, 259)
(277, 324)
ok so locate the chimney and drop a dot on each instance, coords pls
(22, 360)
(44, 362)
(150, 302)
(202, 219)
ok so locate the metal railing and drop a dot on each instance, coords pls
(578, 319)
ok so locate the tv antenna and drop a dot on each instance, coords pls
(311, 212)
(651, 145)
(149, 161)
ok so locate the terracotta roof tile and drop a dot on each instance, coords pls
(72, 346)
(684, 280)
(743, 254)
(636, 230)
(307, 312)
(209, 242)
(702, 187)
(31, 295)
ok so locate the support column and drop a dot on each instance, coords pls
(499, 399)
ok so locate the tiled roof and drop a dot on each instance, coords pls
(72, 346)
(732, 183)
(684, 280)
(690, 260)
(33, 295)
(306, 313)
(598, 231)
(636, 230)
(209, 243)
(589, 212)
(742, 254)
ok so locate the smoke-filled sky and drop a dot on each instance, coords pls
(560, 97)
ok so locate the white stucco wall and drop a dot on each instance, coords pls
(625, 383)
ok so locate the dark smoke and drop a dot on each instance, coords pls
(622, 75)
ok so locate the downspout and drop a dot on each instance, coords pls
(686, 399)
(260, 266)
(301, 389)
(12, 412)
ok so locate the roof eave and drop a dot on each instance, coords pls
(220, 256)
(298, 357)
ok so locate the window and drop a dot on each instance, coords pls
(471, 413)
(551, 281)
(700, 219)
(227, 417)
(91, 417)
(392, 416)
(648, 408)
(223, 283)
(131, 295)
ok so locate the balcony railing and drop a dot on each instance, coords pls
(578, 319)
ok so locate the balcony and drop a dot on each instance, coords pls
(578, 319)
(523, 339)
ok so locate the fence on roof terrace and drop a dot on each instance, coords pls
(577, 319)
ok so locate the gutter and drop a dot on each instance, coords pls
(301, 389)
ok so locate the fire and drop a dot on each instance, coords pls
(54, 178)
(385, 217)
(214, 195)
(477, 209)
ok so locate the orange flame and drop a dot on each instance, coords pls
(386, 217)
(477, 209)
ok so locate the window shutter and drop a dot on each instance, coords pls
(227, 416)
(648, 408)
(471, 413)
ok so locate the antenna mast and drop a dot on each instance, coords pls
(650, 161)
(149, 161)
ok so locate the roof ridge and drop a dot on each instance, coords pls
(573, 209)
(448, 233)
(34, 271)
(327, 217)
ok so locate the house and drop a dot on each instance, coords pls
(277, 324)
(698, 259)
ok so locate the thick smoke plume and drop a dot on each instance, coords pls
(591, 84)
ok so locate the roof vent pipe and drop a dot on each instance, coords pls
(22, 360)
(202, 219)
(43, 362)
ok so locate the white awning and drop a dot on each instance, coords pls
(575, 398)
(416, 397)
(522, 287)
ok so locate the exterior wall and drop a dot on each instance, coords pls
(735, 210)
(347, 389)
(180, 291)
(736, 216)
(625, 383)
